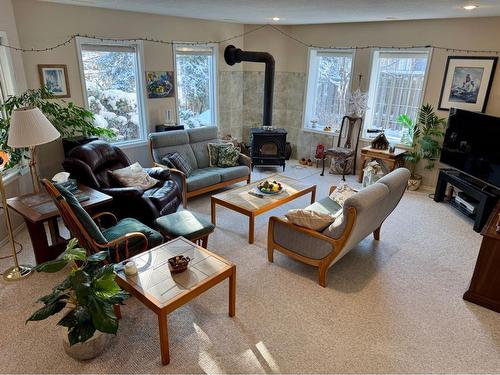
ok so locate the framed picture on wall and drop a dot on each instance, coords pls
(160, 84)
(55, 79)
(467, 82)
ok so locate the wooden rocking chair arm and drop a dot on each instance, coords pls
(97, 218)
(125, 239)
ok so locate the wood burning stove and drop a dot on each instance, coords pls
(268, 146)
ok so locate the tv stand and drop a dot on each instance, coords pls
(485, 195)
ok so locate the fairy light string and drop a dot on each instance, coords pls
(272, 27)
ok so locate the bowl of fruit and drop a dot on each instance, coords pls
(270, 187)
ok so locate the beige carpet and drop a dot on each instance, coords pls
(390, 307)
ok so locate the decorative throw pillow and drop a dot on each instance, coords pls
(213, 152)
(341, 193)
(180, 163)
(314, 220)
(134, 176)
(228, 157)
(166, 161)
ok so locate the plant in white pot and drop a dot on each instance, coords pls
(423, 138)
(86, 297)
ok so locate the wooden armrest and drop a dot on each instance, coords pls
(125, 239)
(297, 228)
(97, 218)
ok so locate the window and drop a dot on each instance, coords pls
(397, 86)
(328, 84)
(195, 68)
(6, 72)
(112, 79)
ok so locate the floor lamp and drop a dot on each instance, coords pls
(28, 128)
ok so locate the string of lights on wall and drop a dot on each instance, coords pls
(272, 27)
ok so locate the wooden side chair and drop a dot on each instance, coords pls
(344, 157)
(123, 239)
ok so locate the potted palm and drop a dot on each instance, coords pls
(423, 138)
(86, 298)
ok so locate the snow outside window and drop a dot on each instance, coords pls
(328, 86)
(397, 87)
(196, 72)
(112, 78)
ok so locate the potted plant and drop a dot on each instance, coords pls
(423, 137)
(86, 298)
(70, 120)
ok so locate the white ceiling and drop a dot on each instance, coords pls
(301, 11)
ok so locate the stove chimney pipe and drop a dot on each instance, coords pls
(234, 55)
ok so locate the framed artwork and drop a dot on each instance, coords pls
(467, 82)
(160, 84)
(55, 79)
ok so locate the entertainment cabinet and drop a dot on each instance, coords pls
(485, 195)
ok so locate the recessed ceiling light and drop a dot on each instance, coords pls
(276, 18)
(470, 7)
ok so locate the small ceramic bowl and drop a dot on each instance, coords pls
(178, 264)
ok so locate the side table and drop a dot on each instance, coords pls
(388, 160)
(38, 209)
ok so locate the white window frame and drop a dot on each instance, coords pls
(312, 77)
(214, 79)
(141, 91)
(374, 81)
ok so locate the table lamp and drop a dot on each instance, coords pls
(30, 128)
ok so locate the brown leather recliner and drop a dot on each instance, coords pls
(90, 164)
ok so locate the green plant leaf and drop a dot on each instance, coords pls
(47, 310)
(75, 254)
(80, 282)
(98, 257)
(117, 298)
(52, 265)
(78, 315)
(104, 285)
(81, 332)
(103, 316)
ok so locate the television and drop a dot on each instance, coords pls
(472, 145)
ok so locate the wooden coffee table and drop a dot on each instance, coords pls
(241, 201)
(163, 292)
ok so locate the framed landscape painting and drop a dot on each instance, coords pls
(160, 84)
(55, 79)
(467, 82)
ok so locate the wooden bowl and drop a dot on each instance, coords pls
(178, 264)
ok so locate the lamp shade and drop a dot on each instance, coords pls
(29, 127)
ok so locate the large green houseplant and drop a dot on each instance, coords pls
(70, 119)
(424, 141)
(86, 296)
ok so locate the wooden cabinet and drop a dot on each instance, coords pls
(484, 287)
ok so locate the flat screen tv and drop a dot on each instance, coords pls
(472, 145)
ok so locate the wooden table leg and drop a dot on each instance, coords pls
(313, 194)
(251, 228)
(118, 311)
(363, 161)
(163, 327)
(212, 211)
(232, 293)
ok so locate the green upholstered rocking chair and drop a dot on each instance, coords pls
(124, 239)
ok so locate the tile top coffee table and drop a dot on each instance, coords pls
(163, 292)
(241, 201)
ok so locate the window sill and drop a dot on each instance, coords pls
(319, 131)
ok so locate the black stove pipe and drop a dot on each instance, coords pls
(234, 55)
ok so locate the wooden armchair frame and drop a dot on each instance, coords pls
(182, 176)
(77, 229)
(336, 244)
